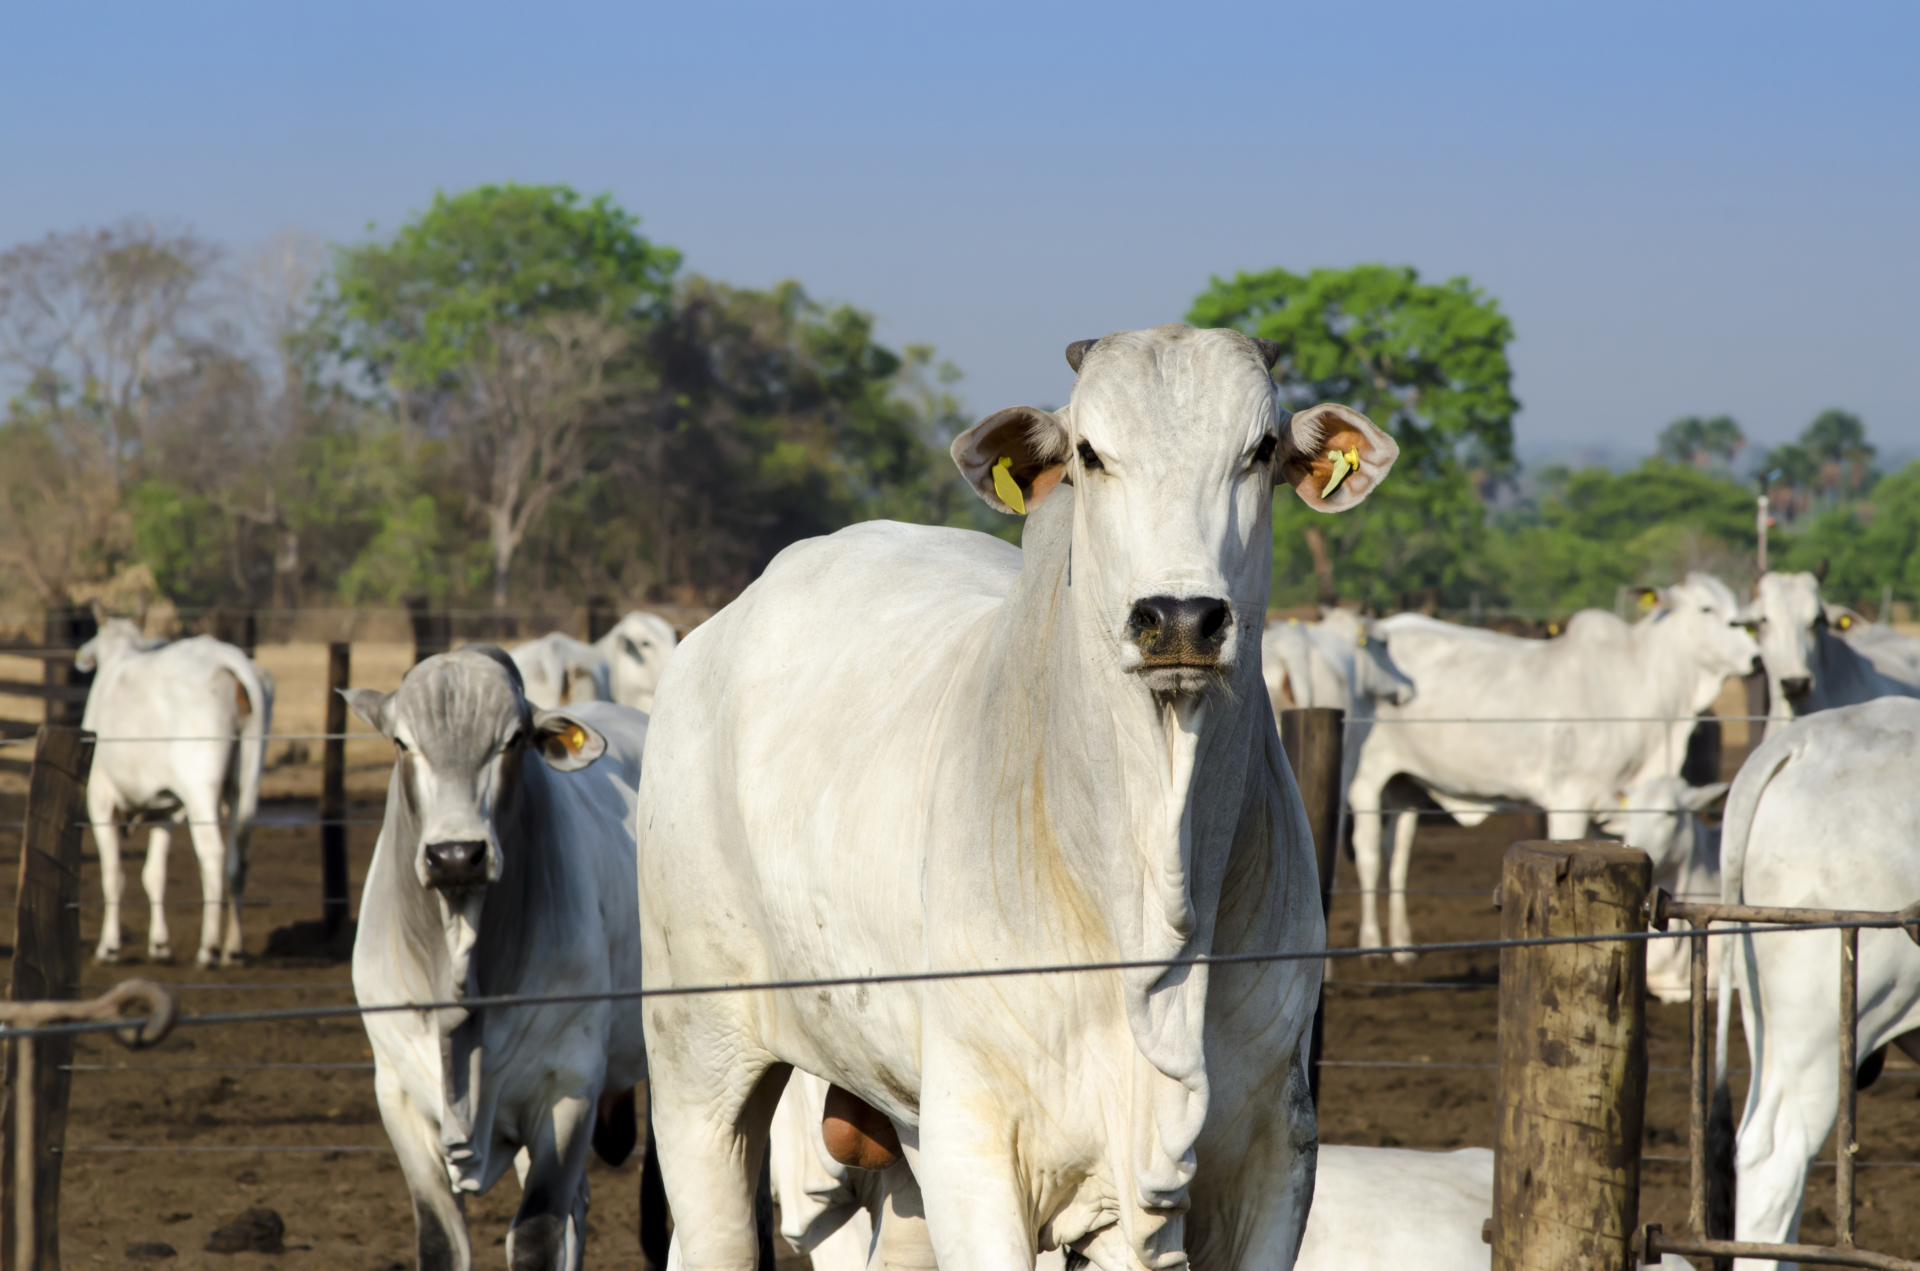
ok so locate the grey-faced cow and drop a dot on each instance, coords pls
(182, 738)
(914, 748)
(1809, 666)
(505, 866)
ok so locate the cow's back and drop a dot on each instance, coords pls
(179, 710)
(794, 739)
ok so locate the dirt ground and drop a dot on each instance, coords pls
(164, 1146)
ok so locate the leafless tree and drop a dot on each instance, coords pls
(531, 396)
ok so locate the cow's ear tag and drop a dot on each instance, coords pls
(1846, 621)
(1006, 487)
(1648, 599)
(576, 739)
(1344, 462)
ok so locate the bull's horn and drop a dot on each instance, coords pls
(1269, 351)
(1077, 352)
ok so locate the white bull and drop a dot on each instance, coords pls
(182, 736)
(914, 748)
(1342, 661)
(1435, 1203)
(1614, 705)
(1809, 668)
(1825, 814)
(504, 867)
(621, 666)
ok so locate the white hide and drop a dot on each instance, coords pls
(1661, 817)
(908, 747)
(461, 1093)
(1824, 814)
(1669, 666)
(1810, 667)
(216, 705)
(1892, 653)
(1342, 661)
(559, 670)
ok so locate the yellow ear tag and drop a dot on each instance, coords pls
(1344, 461)
(1647, 599)
(1006, 487)
(576, 739)
(1360, 641)
(1846, 620)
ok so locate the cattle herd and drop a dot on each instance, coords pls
(908, 749)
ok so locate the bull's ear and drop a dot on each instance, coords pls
(373, 706)
(565, 741)
(1334, 457)
(1033, 445)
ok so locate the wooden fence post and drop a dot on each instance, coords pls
(67, 629)
(1313, 739)
(333, 794)
(601, 617)
(432, 632)
(1759, 702)
(46, 967)
(1573, 1058)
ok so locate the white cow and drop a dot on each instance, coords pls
(1374, 1208)
(182, 731)
(1661, 817)
(621, 666)
(505, 866)
(1891, 652)
(1809, 668)
(1650, 680)
(1342, 661)
(915, 748)
(1824, 814)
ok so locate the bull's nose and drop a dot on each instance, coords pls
(1179, 631)
(1797, 687)
(457, 863)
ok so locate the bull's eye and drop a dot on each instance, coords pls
(403, 745)
(1088, 459)
(1263, 453)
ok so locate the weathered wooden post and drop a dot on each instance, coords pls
(67, 687)
(1312, 737)
(333, 794)
(432, 632)
(601, 617)
(46, 967)
(1573, 1059)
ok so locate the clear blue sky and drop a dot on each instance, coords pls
(1684, 207)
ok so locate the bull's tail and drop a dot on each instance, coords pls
(251, 761)
(1743, 802)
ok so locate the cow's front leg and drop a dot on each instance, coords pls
(550, 1227)
(106, 837)
(153, 877)
(1364, 799)
(439, 1215)
(978, 1216)
(1399, 926)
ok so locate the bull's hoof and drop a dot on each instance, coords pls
(107, 956)
(206, 957)
(160, 953)
(1405, 959)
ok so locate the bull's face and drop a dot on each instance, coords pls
(1714, 627)
(117, 636)
(1787, 614)
(464, 731)
(642, 644)
(1173, 441)
(1375, 674)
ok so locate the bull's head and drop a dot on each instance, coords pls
(1788, 617)
(1173, 441)
(637, 650)
(464, 731)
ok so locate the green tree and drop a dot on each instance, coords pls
(1704, 443)
(1837, 441)
(1426, 361)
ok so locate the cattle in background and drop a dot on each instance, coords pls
(1892, 653)
(1825, 814)
(182, 739)
(1650, 680)
(505, 866)
(559, 670)
(1662, 817)
(1342, 661)
(1809, 668)
(908, 747)
(621, 666)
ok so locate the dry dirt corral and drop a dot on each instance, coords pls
(348, 1208)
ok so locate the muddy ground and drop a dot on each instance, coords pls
(165, 1146)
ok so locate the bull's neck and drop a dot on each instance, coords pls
(1674, 689)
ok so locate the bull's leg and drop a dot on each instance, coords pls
(1566, 824)
(106, 836)
(233, 944)
(154, 879)
(902, 1241)
(209, 845)
(550, 1227)
(978, 1213)
(1364, 795)
(1405, 826)
(711, 1125)
(439, 1216)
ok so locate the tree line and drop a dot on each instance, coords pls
(517, 399)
